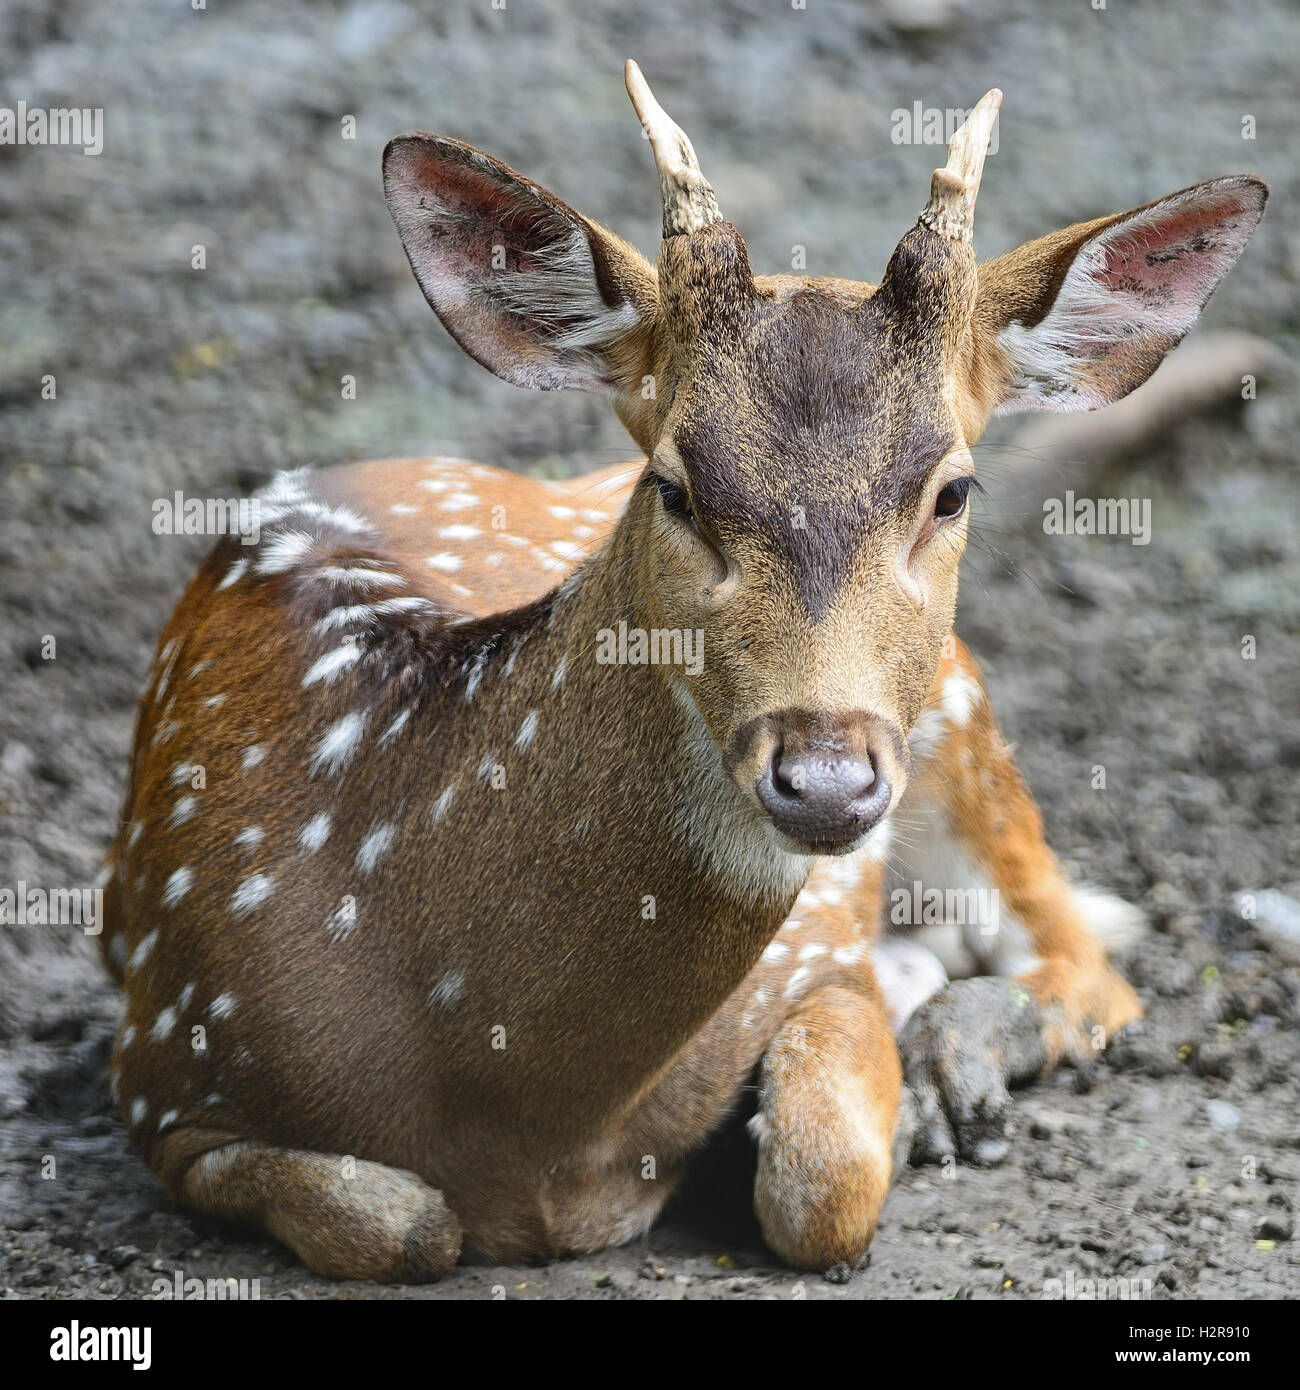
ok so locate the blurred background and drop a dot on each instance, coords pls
(228, 128)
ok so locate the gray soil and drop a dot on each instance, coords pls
(1176, 1162)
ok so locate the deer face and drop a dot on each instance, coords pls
(805, 508)
(805, 505)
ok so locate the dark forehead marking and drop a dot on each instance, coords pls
(817, 420)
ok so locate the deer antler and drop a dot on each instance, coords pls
(954, 188)
(689, 200)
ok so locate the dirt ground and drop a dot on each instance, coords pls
(1176, 1164)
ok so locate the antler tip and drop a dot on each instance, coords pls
(689, 202)
(953, 188)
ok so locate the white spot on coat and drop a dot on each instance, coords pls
(234, 574)
(357, 575)
(928, 729)
(961, 694)
(163, 1024)
(448, 990)
(142, 950)
(344, 616)
(314, 834)
(458, 501)
(446, 561)
(338, 745)
(475, 677)
(283, 551)
(443, 804)
(249, 837)
(395, 727)
(797, 981)
(375, 846)
(222, 1006)
(340, 922)
(251, 893)
(407, 603)
(528, 730)
(328, 666)
(186, 808)
(178, 884)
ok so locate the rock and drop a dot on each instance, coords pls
(15, 759)
(1134, 1050)
(1223, 1116)
(1045, 1124)
(1168, 900)
(1275, 1225)
(1276, 917)
(1213, 1059)
(917, 16)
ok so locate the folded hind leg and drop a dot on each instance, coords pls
(344, 1217)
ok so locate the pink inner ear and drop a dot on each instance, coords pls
(1172, 260)
(482, 214)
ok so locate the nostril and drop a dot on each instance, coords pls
(789, 776)
(866, 777)
(873, 796)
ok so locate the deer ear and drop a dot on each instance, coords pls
(1080, 318)
(526, 285)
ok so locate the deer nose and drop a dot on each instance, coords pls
(827, 801)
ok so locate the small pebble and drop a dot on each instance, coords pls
(1223, 1115)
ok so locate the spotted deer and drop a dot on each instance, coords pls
(442, 936)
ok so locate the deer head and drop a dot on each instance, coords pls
(806, 499)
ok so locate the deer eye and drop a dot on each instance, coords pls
(676, 503)
(951, 500)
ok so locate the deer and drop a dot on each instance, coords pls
(450, 928)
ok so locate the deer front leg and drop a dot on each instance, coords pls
(977, 848)
(831, 1082)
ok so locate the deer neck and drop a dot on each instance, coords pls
(626, 868)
